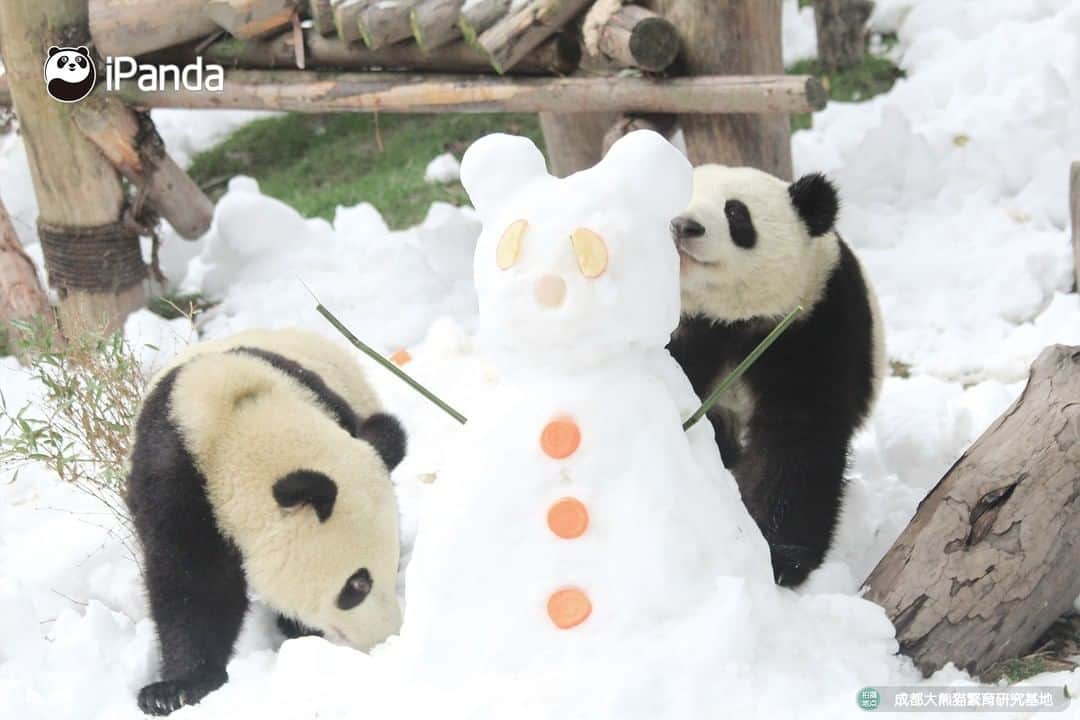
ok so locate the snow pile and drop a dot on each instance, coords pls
(443, 169)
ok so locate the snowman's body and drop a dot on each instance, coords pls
(575, 512)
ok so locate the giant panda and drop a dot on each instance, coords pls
(753, 247)
(262, 463)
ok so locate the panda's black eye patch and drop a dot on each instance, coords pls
(355, 590)
(740, 224)
(62, 60)
(81, 61)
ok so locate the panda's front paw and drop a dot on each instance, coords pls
(167, 696)
(792, 564)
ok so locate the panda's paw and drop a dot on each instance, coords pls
(294, 629)
(168, 696)
(792, 565)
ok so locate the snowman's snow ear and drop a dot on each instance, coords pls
(650, 172)
(495, 167)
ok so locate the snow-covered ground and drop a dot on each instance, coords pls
(954, 197)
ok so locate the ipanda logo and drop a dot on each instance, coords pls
(70, 74)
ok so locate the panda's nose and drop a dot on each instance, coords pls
(684, 228)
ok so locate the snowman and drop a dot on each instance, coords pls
(574, 512)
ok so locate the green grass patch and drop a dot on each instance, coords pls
(171, 307)
(317, 162)
(874, 76)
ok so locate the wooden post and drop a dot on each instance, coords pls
(735, 37)
(992, 557)
(21, 296)
(1074, 211)
(123, 27)
(93, 261)
(841, 32)
(133, 146)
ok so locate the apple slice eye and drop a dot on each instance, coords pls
(509, 247)
(591, 252)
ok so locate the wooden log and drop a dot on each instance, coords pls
(992, 557)
(123, 27)
(559, 56)
(626, 124)
(347, 18)
(738, 38)
(435, 23)
(574, 141)
(1074, 212)
(133, 146)
(5, 92)
(386, 22)
(388, 92)
(21, 296)
(637, 37)
(80, 197)
(478, 15)
(251, 18)
(524, 27)
(841, 32)
(322, 17)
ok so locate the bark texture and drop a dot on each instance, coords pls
(841, 31)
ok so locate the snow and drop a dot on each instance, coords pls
(443, 169)
(799, 32)
(954, 198)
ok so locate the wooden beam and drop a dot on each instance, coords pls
(251, 18)
(322, 16)
(347, 18)
(79, 194)
(559, 56)
(435, 23)
(992, 557)
(386, 22)
(386, 92)
(123, 27)
(634, 36)
(478, 15)
(134, 148)
(527, 25)
(1074, 212)
(740, 38)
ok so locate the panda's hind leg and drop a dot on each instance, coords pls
(194, 576)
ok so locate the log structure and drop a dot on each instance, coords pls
(347, 18)
(560, 55)
(524, 27)
(92, 257)
(992, 557)
(633, 36)
(386, 22)
(479, 15)
(435, 23)
(122, 27)
(841, 32)
(349, 92)
(1074, 213)
(322, 16)
(739, 38)
(21, 295)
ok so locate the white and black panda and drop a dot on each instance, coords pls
(69, 73)
(262, 463)
(752, 248)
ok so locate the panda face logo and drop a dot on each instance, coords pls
(70, 74)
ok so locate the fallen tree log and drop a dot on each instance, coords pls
(559, 56)
(524, 27)
(389, 92)
(134, 148)
(992, 557)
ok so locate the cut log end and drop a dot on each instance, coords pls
(654, 44)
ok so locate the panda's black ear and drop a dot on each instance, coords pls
(385, 434)
(53, 50)
(306, 487)
(816, 201)
(82, 50)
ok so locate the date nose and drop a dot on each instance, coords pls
(686, 228)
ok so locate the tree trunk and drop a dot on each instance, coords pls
(841, 32)
(559, 56)
(311, 92)
(626, 124)
(1074, 211)
(524, 27)
(992, 556)
(133, 146)
(93, 259)
(734, 37)
(21, 296)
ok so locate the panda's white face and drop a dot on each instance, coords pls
(745, 250)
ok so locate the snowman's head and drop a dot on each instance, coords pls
(581, 267)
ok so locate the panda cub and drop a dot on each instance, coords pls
(752, 248)
(262, 463)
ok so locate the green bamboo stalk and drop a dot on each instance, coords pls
(374, 355)
(741, 368)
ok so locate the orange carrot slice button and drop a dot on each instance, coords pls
(560, 438)
(568, 608)
(568, 518)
